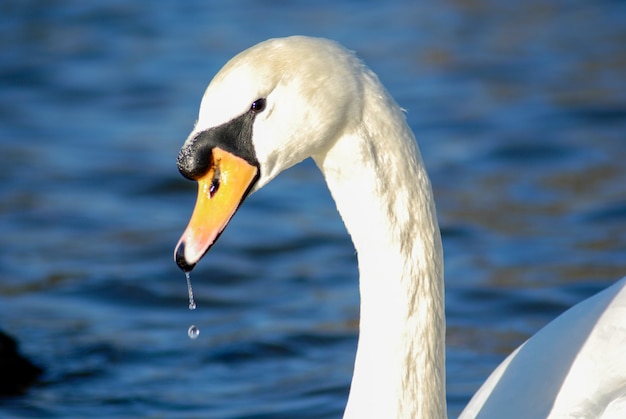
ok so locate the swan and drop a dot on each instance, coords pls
(288, 99)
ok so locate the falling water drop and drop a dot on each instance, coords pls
(193, 331)
(192, 303)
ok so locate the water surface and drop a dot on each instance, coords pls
(520, 112)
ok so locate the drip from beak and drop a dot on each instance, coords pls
(220, 192)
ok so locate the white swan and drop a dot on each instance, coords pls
(284, 100)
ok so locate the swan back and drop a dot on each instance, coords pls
(573, 367)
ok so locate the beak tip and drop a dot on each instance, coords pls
(181, 260)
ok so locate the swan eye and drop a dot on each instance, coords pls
(258, 105)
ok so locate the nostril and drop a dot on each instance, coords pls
(215, 182)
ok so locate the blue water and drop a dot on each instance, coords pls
(520, 111)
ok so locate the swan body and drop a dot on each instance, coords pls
(288, 99)
(573, 367)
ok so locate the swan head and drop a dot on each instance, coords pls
(268, 108)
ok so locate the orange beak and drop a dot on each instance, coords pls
(220, 192)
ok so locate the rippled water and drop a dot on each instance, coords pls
(520, 111)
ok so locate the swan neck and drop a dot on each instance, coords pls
(379, 183)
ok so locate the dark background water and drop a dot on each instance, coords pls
(520, 111)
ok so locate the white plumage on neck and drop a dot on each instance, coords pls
(376, 176)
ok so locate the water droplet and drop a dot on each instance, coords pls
(193, 331)
(192, 303)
